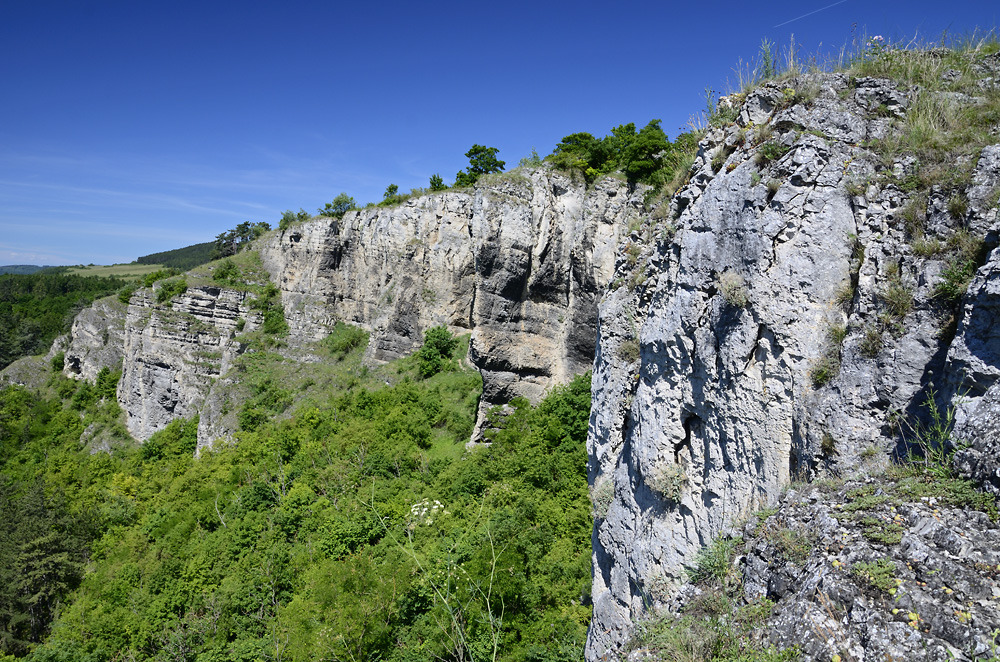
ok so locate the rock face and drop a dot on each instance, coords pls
(781, 325)
(97, 339)
(519, 262)
(174, 354)
(866, 570)
(973, 372)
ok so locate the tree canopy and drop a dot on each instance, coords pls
(233, 241)
(342, 204)
(482, 161)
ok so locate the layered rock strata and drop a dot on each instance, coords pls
(96, 339)
(173, 354)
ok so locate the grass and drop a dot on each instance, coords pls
(344, 338)
(966, 255)
(668, 480)
(880, 574)
(243, 272)
(714, 563)
(828, 366)
(896, 297)
(769, 152)
(871, 343)
(793, 544)
(120, 270)
(733, 289)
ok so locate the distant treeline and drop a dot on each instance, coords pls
(181, 258)
(20, 269)
(35, 308)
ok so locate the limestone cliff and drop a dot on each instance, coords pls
(783, 323)
(519, 261)
(96, 339)
(174, 353)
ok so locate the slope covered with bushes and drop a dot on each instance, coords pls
(356, 529)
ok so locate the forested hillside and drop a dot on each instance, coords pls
(357, 529)
(185, 258)
(35, 308)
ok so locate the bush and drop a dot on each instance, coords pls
(342, 204)
(435, 354)
(733, 289)
(437, 183)
(344, 338)
(171, 289)
(228, 273)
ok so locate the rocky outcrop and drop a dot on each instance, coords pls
(973, 371)
(782, 324)
(867, 569)
(96, 340)
(520, 262)
(174, 353)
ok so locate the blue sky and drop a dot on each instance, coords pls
(136, 126)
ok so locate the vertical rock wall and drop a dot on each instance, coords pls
(519, 261)
(709, 388)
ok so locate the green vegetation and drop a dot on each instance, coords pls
(181, 258)
(357, 527)
(268, 303)
(344, 338)
(133, 270)
(437, 183)
(642, 156)
(714, 626)
(288, 217)
(20, 269)
(35, 308)
(170, 289)
(880, 574)
(482, 161)
(238, 239)
(437, 351)
(341, 204)
(733, 289)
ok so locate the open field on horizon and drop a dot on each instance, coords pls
(120, 270)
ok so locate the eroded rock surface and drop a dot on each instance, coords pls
(96, 339)
(520, 262)
(174, 353)
(781, 326)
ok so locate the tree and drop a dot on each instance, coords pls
(437, 184)
(482, 161)
(643, 154)
(435, 354)
(233, 241)
(288, 217)
(342, 204)
(391, 191)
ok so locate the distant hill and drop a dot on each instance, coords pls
(20, 268)
(181, 258)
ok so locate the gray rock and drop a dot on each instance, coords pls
(723, 408)
(518, 262)
(96, 339)
(173, 354)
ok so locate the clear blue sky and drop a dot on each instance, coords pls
(136, 126)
